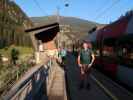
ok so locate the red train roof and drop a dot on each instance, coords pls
(113, 30)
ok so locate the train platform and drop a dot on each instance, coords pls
(101, 87)
(57, 83)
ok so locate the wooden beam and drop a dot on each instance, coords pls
(41, 27)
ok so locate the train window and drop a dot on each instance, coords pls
(125, 53)
(121, 53)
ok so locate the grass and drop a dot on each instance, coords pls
(9, 72)
(25, 52)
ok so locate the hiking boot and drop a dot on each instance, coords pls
(88, 86)
(81, 85)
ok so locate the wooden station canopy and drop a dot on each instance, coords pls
(45, 33)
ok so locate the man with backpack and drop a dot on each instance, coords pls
(85, 60)
(62, 55)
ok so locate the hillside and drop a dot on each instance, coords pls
(77, 25)
(72, 29)
(13, 22)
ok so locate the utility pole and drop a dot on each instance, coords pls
(58, 20)
(58, 14)
(3, 15)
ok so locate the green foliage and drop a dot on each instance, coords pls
(10, 74)
(14, 55)
(23, 51)
(0, 59)
(12, 25)
(13, 22)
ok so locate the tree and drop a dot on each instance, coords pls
(14, 56)
(13, 22)
(0, 58)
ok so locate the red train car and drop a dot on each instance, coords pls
(115, 50)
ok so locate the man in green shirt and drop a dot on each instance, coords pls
(85, 60)
(62, 55)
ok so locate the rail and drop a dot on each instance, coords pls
(31, 86)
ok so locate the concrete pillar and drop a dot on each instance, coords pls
(37, 57)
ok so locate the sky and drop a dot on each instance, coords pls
(100, 11)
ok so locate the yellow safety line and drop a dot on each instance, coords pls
(104, 88)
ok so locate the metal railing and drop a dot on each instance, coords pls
(32, 86)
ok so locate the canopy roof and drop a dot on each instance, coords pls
(45, 33)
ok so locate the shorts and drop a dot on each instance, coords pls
(85, 69)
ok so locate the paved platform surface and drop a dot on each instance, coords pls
(73, 79)
(57, 89)
(101, 87)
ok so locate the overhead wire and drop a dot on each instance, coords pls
(41, 9)
(38, 5)
(107, 9)
(101, 6)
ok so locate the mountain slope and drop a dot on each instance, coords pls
(13, 22)
(71, 29)
(77, 25)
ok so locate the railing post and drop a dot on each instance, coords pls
(33, 87)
